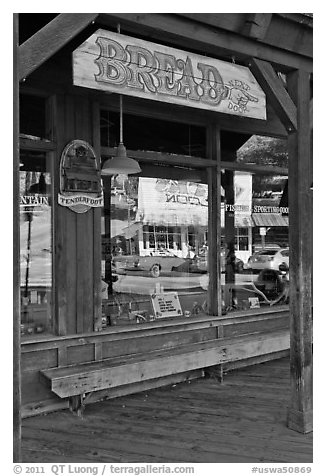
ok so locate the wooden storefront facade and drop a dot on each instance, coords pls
(270, 46)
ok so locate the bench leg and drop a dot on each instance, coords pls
(76, 405)
(215, 372)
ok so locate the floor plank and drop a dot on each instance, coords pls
(242, 420)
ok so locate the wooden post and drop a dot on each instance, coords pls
(214, 223)
(16, 265)
(300, 241)
(229, 218)
(77, 235)
(97, 237)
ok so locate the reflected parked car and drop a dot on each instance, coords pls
(156, 263)
(268, 259)
(200, 263)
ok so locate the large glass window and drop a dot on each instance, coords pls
(255, 227)
(35, 243)
(155, 226)
(155, 241)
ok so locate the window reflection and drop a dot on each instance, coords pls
(255, 228)
(156, 241)
(35, 244)
(157, 235)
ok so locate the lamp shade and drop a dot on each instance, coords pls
(120, 164)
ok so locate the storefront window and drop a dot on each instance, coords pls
(158, 246)
(158, 226)
(255, 228)
(35, 244)
(156, 233)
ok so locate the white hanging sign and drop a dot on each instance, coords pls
(116, 63)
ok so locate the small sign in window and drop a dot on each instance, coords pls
(253, 302)
(166, 305)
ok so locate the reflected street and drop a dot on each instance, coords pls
(188, 283)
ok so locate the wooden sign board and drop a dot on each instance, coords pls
(120, 64)
(166, 305)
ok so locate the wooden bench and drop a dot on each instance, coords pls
(77, 382)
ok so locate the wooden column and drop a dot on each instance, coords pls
(97, 212)
(214, 299)
(16, 265)
(77, 235)
(300, 241)
(229, 219)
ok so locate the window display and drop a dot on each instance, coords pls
(157, 241)
(35, 244)
(157, 230)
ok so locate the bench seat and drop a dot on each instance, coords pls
(85, 378)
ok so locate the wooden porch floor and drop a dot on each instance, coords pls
(242, 420)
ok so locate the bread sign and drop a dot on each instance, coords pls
(120, 64)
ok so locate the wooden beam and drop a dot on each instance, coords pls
(168, 159)
(194, 162)
(214, 298)
(47, 41)
(256, 25)
(275, 92)
(284, 31)
(254, 169)
(229, 227)
(272, 127)
(97, 238)
(300, 243)
(16, 263)
(39, 144)
(193, 35)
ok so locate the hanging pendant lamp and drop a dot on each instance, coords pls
(120, 164)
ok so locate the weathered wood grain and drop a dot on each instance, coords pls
(16, 258)
(256, 25)
(47, 41)
(301, 243)
(57, 351)
(275, 92)
(194, 34)
(214, 294)
(242, 420)
(77, 380)
(237, 93)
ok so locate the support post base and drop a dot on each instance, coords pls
(299, 421)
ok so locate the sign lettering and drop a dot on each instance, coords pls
(269, 209)
(166, 305)
(112, 62)
(80, 180)
(34, 200)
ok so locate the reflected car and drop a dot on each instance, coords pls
(156, 263)
(268, 259)
(200, 263)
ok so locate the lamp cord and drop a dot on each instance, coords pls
(121, 131)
